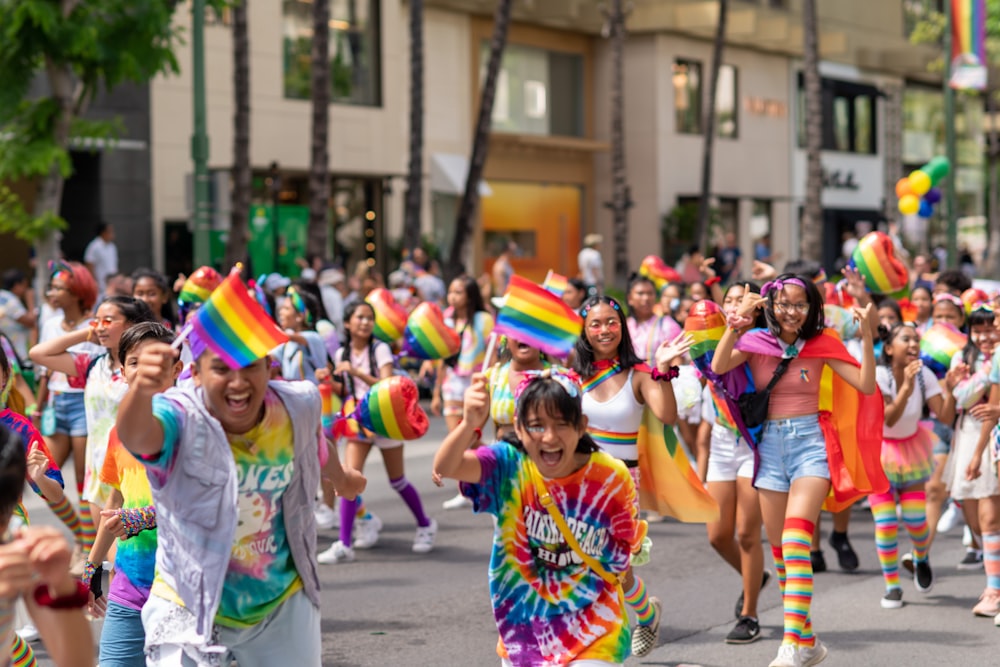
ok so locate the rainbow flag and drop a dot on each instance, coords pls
(537, 317)
(968, 44)
(705, 323)
(668, 484)
(555, 283)
(234, 326)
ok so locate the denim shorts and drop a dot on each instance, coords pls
(122, 638)
(790, 449)
(71, 417)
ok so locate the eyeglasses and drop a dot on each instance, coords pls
(107, 321)
(612, 324)
(800, 308)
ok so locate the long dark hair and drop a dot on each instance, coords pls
(13, 468)
(584, 364)
(167, 309)
(978, 317)
(815, 319)
(545, 395)
(133, 310)
(473, 297)
(345, 349)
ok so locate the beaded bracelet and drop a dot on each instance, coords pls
(666, 376)
(137, 519)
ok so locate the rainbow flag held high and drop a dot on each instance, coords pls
(536, 317)
(968, 45)
(234, 326)
(668, 484)
(555, 283)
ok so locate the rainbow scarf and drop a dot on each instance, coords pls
(606, 368)
(853, 443)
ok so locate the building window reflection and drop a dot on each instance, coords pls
(355, 45)
(849, 124)
(687, 96)
(726, 107)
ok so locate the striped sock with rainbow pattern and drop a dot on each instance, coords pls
(914, 506)
(64, 510)
(638, 598)
(796, 540)
(886, 536)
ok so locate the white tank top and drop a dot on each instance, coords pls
(614, 424)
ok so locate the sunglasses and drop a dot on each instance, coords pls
(107, 321)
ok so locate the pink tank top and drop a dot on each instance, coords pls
(797, 392)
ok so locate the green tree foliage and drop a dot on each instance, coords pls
(55, 56)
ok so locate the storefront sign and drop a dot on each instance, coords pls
(840, 179)
(760, 106)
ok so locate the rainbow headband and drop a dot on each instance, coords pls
(566, 378)
(59, 269)
(298, 304)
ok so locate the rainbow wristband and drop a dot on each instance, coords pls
(137, 519)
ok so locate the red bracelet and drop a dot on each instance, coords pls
(479, 434)
(667, 376)
(43, 597)
(713, 281)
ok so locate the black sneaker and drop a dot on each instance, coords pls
(738, 610)
(846, 556)
(893, 599)
(746, 631)
(818, 561)
(923, 577)
(973, 560)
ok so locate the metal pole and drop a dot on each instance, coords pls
(950, 206)
(275, 200)
(199, 141)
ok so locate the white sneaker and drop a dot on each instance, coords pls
(326, 518)
(424, 540)
(366, 531)
(457, 503)
(337, 553)
(28, 633)
(967, 537)
(950, 518)
(813, 655)
(788, 656)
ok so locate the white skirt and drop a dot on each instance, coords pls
(963, 448)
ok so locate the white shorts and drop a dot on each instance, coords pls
(381, 442)
(729, 458)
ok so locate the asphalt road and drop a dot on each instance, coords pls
(394, 607)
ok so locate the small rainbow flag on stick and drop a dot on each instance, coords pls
(234, 326)
(555, 283)
(536, 317)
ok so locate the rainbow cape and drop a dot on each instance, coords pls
(668, 484)
(234, 326)
(851, 421)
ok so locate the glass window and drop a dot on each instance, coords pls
(848, 116)
(355, 61)
(687, 96)
(538, 91)
(726, 108)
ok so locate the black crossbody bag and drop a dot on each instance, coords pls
(753, 404)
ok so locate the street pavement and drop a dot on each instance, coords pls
(394, 607)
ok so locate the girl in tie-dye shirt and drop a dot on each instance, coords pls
(551, 608)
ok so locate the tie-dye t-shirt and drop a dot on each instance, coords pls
(105, 389)
(550, 607)
(30, 437)
(135, 559)
(261, 572)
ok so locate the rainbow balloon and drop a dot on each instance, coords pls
(875, 259)
(390, 317)
(706, 323)
(427, 336)
(198, 286)
(658, 271)
(391, 408)
(938, 345)
(840, 320)
(974, 296)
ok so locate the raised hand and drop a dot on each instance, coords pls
(670, 350)
(476, 407)
(750, 303)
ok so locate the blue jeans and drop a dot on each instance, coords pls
(790, 449)
(71, 416)
(122, 638)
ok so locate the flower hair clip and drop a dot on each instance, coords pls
(566, 378)
(610, 301)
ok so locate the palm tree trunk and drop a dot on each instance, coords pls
(319, 178)
(414, 180)
(621, 199)
(701, 234)
(236, 246)
(480, 142)
(991, 264)
(811, 240)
